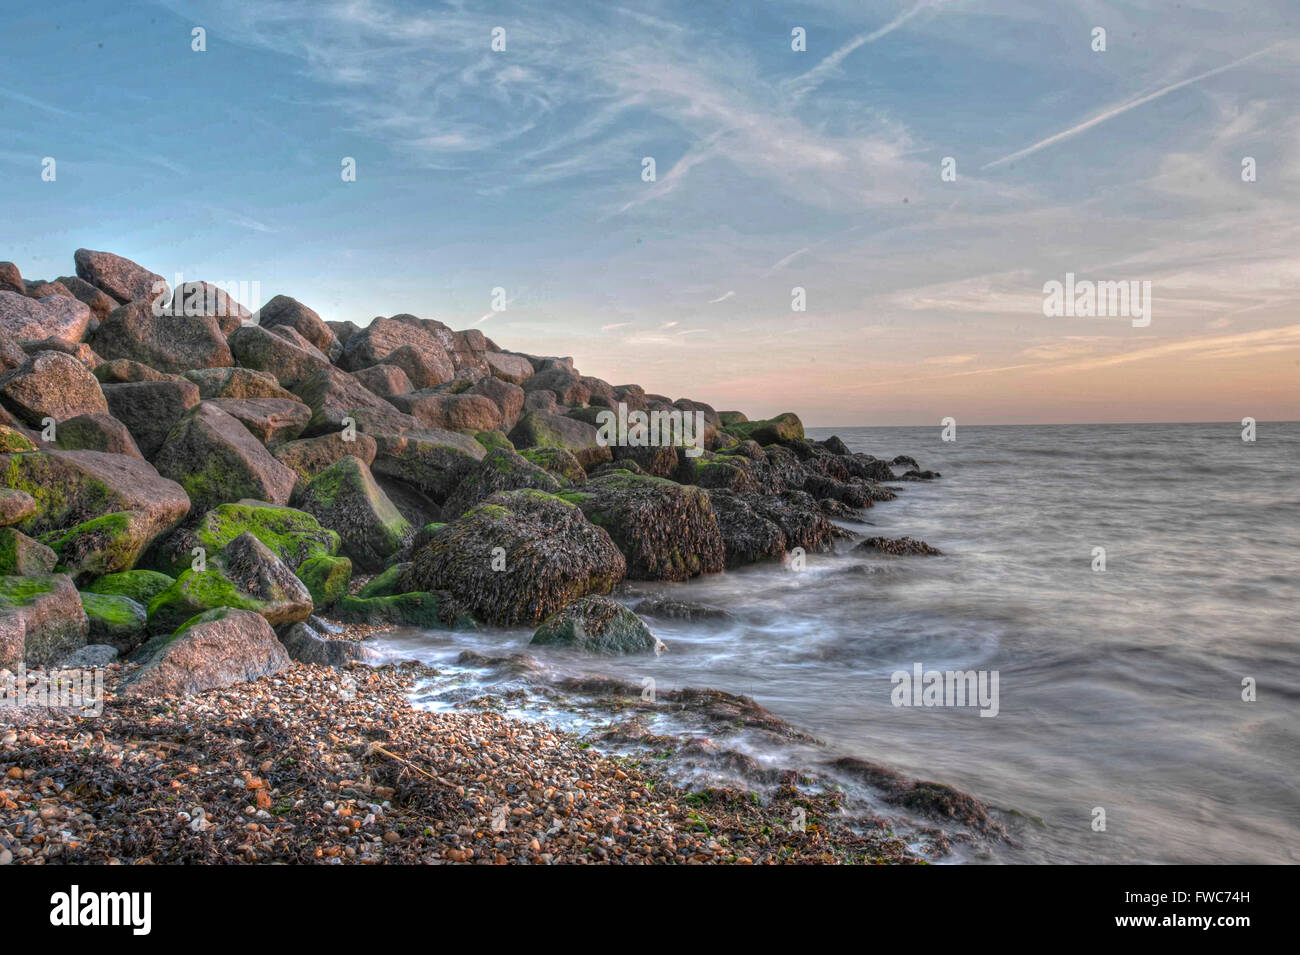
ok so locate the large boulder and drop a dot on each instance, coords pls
(11, 279)
(305, 645)
(236, 383)
(97, 300)
(597, 624)
(170, 343)
(247, 575)
(346, 498)
(500, 470)
(270, 420)
(216, 460)
(334, 395)
(565, 383)
(81, 497)
(779, 430)
(384, 380)
(508, 398)
(550, 555)
(747, 536)
(51, 384)
(96, 432)
(121, 278)
(123, 370)
(140, 585)
(20, 556)
(24, 319)
(16, 506)
(283, 310)
(515, 369)
(307, 457)
(292, 535)
(431, 459)
(115, 620)
(462, 412)
(541, 430)
(426, 362)
(326, 578)
(150, 409)
(53, 621)
(666, 531)
(204, 298)
(215, 649)
(261, 349)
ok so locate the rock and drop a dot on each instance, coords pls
(305, 645)
(196, 299)
(508, 398)
(121, 278)
(515, 369)
(559, 462)
(270, 420)
(246, 575)
(170, 343)
(781, 429)
(16, 506)
(565, 383)
(20, 556)
(596, 624)
(11, 279)
(89, 657)
(237, 383)
(42, 289)
(51, 384)
(436, 610)
(114, 620)
(343, 330)
(218, 648)
(11, 353)
(124, 370)
(668, 609)
(256, 347)
(426, 361)
(898, 547)
(308, 457)
(140, 585)
(101, 545)
(13, 640)
(79, 493)
(666, 531)
(500, 470)
(292, 535)
(431, 459)
(747, 536)
(452, 412)
(552, 556)
(729, 418)
(345, 498)
(150, 409)
(335, 396)
(540, 430)
(326, 578)
(99, 302)
(491, 440)
(96, 432)
(799, 518)
(541, 401)
(289, 312)
(384, 380)
(57, 316)
(54, 624)
(215, 459)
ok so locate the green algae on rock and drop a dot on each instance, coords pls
(598, 624)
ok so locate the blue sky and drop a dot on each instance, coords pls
(775, 168)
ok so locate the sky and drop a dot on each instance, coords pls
(775, 168)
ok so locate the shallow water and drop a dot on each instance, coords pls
(1118, 689)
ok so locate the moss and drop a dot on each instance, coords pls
(417, 609)
(103, 545)
(327, 578)
(292, 535)
(782, 428)
(493, 440)
(140, 585)
(195, 592)
(13, 440)
(385, 584)
(21, 591)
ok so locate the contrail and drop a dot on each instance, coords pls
(809, 81)
(1124, 108)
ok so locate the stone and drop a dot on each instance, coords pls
(346, 498)
(54, 623)
(121, 278)
(20, 556)
(150, 409)
(283, 310)
(215, 649)
(270, 420)
(51, 384)
(96, 432)
(28, 319)
(168, 343)
(596, 624)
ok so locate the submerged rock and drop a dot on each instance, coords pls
(597, 624)
(898, 546)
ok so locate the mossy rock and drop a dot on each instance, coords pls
(102, 545)
(20, 556)
(292, 535)
(327, 579)
(346, 498)
(417, 609)
(500, 470)
(386, 584)
(597, 624)
(115, 620)
(728, 418)
(12, 440)
(140, 585)
(558, 461)
(493, 440)
(779, 430)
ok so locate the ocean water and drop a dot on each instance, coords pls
(1118, 689)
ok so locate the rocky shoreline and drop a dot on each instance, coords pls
(208, 510)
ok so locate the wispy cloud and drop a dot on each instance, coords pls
(723, 297)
